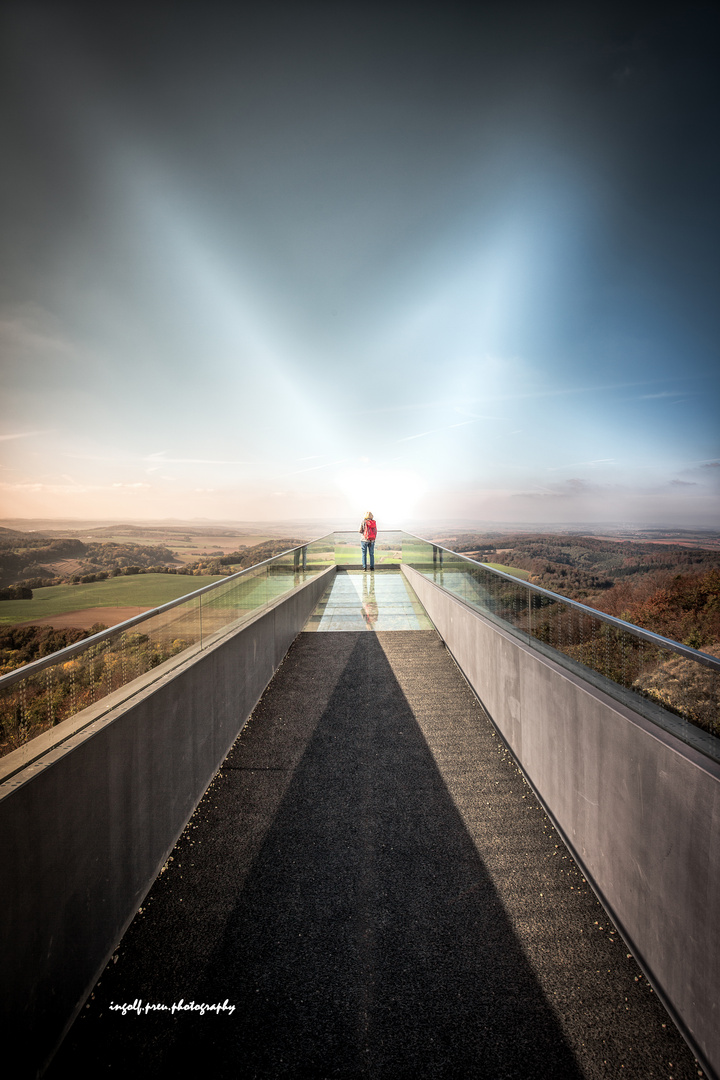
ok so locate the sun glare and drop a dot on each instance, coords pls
(391, 494)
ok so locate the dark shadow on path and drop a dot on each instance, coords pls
(364, 937)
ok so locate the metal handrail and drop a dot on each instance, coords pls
(647, 635)
(35, 666)
(69, 651)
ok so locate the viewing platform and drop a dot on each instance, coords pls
(398, 865)
(358, 600)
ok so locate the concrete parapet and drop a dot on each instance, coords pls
(86, 828)
(638, 808)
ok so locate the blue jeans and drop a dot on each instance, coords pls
(368, 545)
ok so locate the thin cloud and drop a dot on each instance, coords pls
(20, 332)
(667, 394)
(566, 391)
(314, 468)
(579, 464)
(567, 490)
(22, 435)
(63, 489)
(160, 459)
(529, 395)
(449, 427)
(156, 461)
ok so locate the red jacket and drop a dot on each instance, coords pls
(369, 529)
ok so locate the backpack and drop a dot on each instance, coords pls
(370, 529)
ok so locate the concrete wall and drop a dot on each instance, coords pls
(84, 834)
(638, 808)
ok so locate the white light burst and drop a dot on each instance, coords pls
(391, 494)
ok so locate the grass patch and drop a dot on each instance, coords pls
(524, 574)
(352, 554)
(137, 590)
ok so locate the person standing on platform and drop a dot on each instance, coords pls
(368, 530)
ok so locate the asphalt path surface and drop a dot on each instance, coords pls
(369, 889)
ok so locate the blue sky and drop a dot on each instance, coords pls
(295, 261)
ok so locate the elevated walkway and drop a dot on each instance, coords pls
(282, 820)
(372, 887)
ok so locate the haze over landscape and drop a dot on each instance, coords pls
(289, 261)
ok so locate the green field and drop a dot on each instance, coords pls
(137, 590)
(352, 554)
(524, 574)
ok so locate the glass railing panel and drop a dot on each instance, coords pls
(59, 687)
(642, 670)
(320, 554)
(234, 601)
(170, 632)
(417, 553)
(43, 699)
(651, 674)
(388, 548)
(284, 573)
(31, 706)
(347, 548)
(682, 686)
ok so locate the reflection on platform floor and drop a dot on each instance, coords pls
(359, 600)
